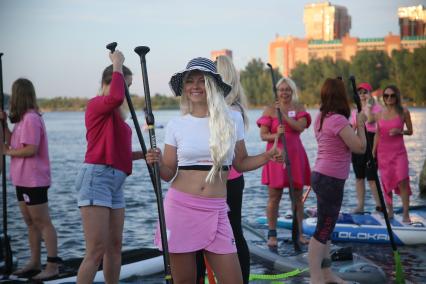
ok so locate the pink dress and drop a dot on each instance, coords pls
(275, 174)
(392, 157)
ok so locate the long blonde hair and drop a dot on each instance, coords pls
(222, 128)
(230, 75)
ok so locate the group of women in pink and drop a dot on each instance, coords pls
(204, 157)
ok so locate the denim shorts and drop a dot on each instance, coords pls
(100, 185)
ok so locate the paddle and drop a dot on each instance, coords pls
(295, 225)
(111, 46)
(399, 273)
(153, 174)
(6, 248)
(149, 117)
(305, 196)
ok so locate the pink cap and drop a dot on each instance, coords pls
(365, 86)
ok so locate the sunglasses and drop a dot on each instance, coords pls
(288, 90)
(362, 92)
(386, 96)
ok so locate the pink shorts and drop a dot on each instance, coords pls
(194, 223)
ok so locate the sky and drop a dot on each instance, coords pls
(60, 44)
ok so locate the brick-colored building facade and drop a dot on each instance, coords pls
(285, 52)
(216, 53)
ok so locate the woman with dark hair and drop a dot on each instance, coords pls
(107, 163)
(336, 139)
(389, 148)
(27, 146)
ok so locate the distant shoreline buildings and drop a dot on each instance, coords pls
(327, 29)
(327, 35)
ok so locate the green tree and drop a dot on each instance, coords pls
(257, 83)
(310, 77)
(371, 66)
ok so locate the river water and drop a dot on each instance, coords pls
(67, 146)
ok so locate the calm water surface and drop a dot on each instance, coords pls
(67, 146)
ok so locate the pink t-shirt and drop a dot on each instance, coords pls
(371, 127)
(30, 171)
(333, 157)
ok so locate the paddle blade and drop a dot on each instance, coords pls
(6, 256)
(400, 279)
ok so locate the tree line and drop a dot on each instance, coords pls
(158, 101)
(404, 69)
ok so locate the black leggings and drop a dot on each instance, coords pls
(234, 199)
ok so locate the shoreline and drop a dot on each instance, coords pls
(45, 110)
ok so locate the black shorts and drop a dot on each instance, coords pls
(360, 163)
(32, 195)
(329, 191)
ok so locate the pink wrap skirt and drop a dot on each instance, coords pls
(196, 223)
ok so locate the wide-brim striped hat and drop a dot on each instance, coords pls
(201, 64)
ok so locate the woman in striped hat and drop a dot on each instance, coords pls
(200, 146)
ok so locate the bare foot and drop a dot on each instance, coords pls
(30, 269)
(333, 278)
(272, 242)
(303, 240)
(357, 210)
(406, 220)
(48, 273)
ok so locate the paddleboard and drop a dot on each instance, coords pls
(368, 227)
(358, 269)
(137, 262)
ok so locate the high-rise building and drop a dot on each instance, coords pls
(412, 21)
(216, 53)
(324, 21)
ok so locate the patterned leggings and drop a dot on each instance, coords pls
(329, 191)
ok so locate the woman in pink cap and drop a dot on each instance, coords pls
(200, 146)
(361, 162)
(390, 151)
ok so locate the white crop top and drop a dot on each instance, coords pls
(190, 135)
